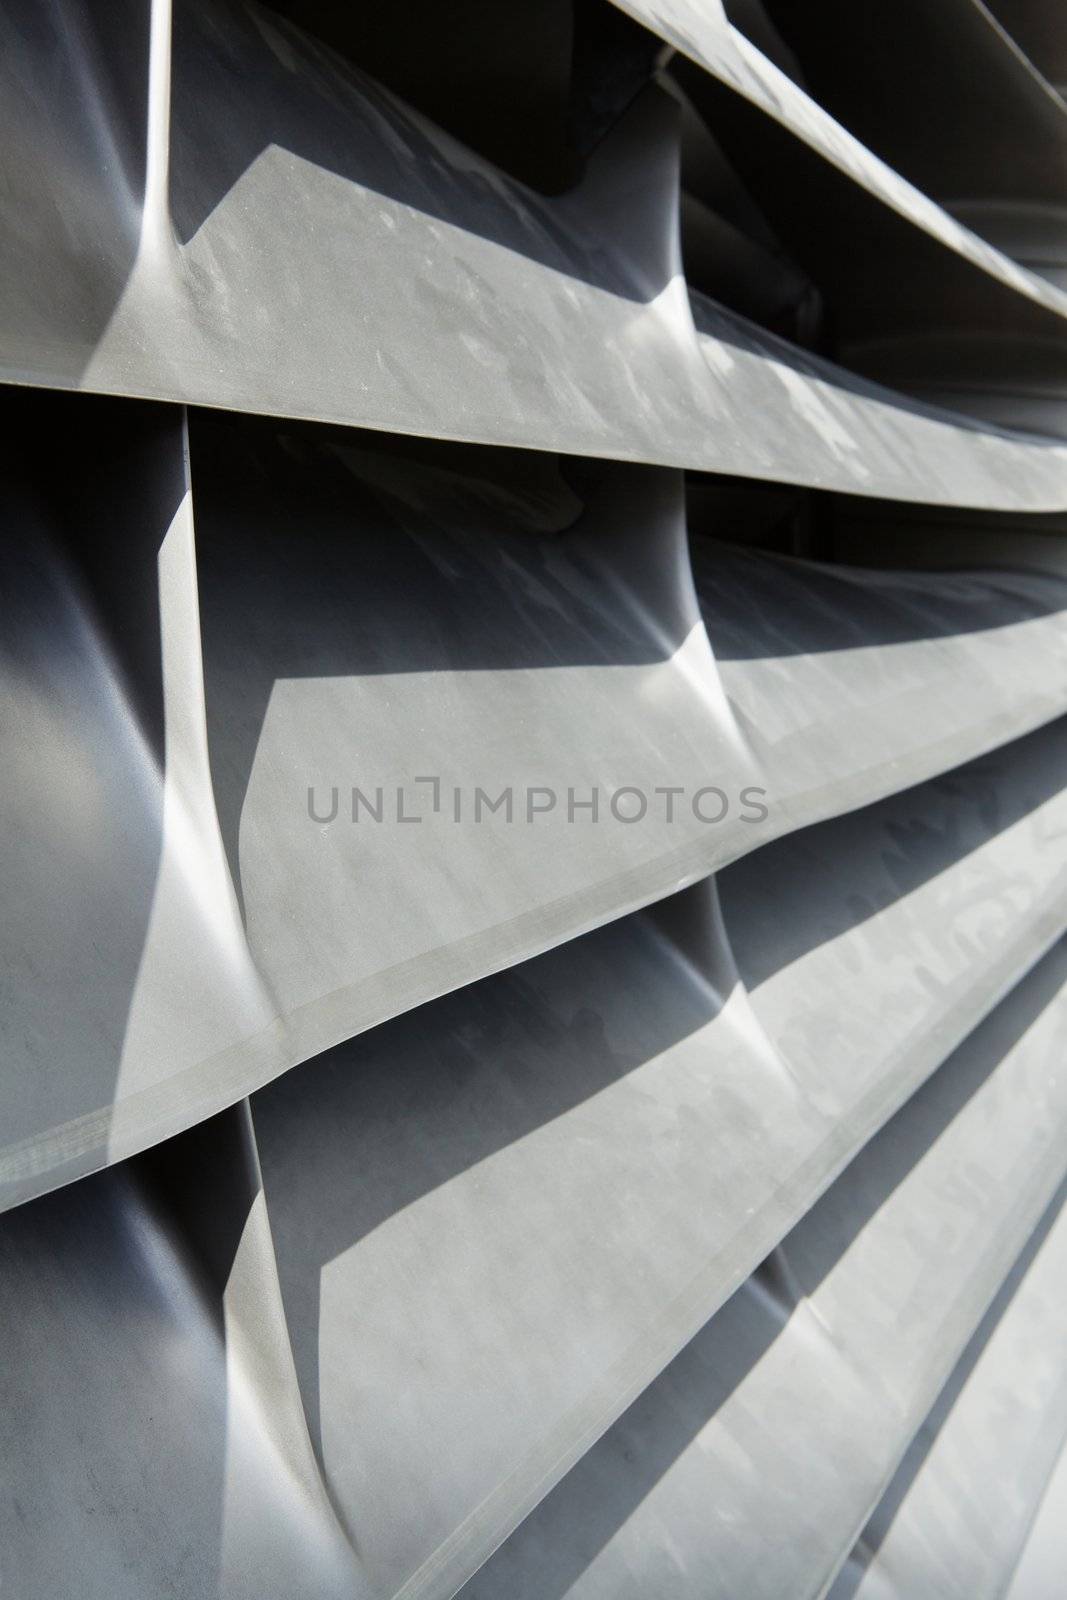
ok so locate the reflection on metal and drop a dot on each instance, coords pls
(700, 30)
(482, 604)
(480, 310)
(996, 1431)
(534, 800)
(986, 136)
(830, 1356)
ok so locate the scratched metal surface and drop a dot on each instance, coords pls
(400, 1196)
